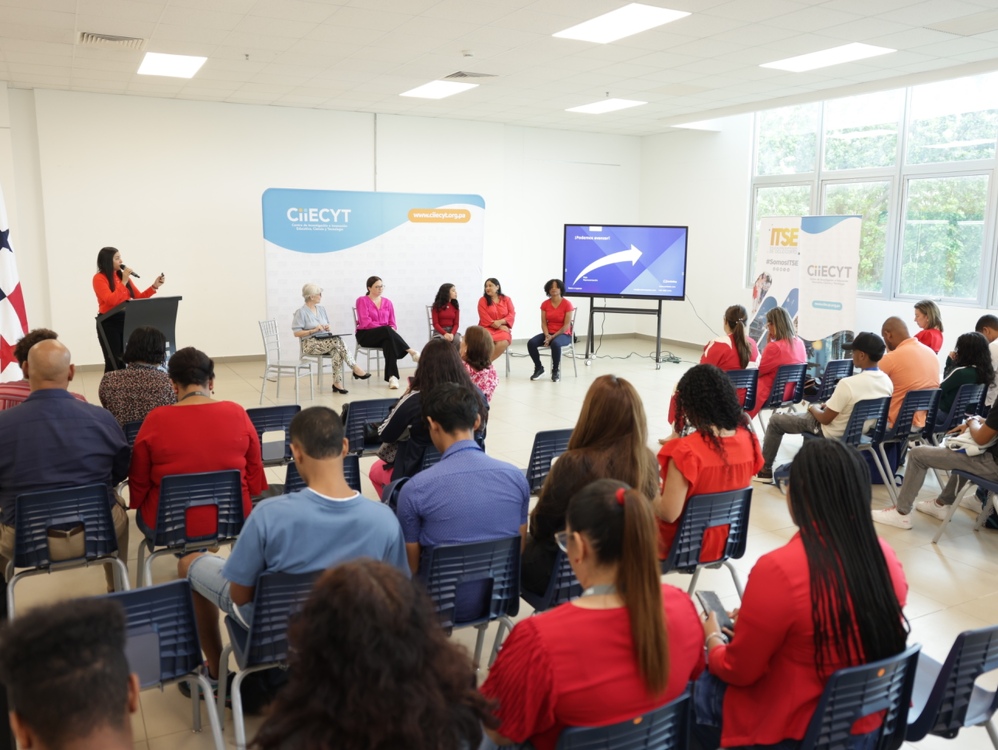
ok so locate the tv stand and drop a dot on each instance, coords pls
(657, 312)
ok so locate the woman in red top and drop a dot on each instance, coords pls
(735, 350)
(783, 348)
(627, 646)
(113, 285)
(722, 454)
(556, 329)
(797, 623)
(930, 321)
(196, 434)
(445, 314)
(496, 314)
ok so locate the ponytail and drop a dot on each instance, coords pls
(736, 317)
(620, 525)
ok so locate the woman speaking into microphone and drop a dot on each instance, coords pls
(113, 285)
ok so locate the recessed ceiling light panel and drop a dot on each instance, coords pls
(827, 57)
(617, 24)
(174, 66)
(606, 105)
(438, 89)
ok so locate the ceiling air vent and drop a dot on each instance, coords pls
(90, 39)
(465, 74)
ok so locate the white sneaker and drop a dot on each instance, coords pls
(929, 508)
(393, 383)
(970, 502)
(891, 517)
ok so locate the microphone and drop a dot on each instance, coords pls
(123, 267)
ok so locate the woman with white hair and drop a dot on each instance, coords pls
(311, 323)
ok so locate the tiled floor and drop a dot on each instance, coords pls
(951, 584)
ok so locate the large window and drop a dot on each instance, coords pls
(917, 164)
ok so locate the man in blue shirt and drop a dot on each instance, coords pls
(468, 496)
(306, 531)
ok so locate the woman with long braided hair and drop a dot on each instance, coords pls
(830, 598)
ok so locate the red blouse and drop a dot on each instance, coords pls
(501, 309)
(775, 355)
(722, 353)
(708, 471)
(544, 681)
(106, 299)
(555, 316)
(931, 337)
(448, 317)
(188, 440)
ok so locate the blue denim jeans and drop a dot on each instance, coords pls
(534, 345)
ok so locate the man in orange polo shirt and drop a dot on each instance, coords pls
(910, 364)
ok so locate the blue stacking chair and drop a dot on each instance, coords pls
(391, 491)
(274, 419)
(905, 432)
(277, 598)
(855, 692)
(351, 472)
(785, 375)
(945, 698)
(431, 456)
(178, 493)
(746, 383)
(35, 513)
(969, 400)
(563, 586)
(835, 370)
(701, 513)
(162, 645)
(131, 430)
(968, 480)
(473, 584)
(359, 413)
(665, 728)
(548, 445)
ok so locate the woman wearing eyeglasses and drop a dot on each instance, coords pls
(376, 329)
(628, 645)
(311, 324)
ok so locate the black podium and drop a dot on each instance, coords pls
(116, 325)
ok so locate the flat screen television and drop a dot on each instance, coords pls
(625, 261)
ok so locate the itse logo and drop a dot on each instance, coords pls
(319, 215)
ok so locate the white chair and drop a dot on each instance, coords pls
(367, 351)
(567, 350)
(429, 322)
(277, 367)
(319, 361)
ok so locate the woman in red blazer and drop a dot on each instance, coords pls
(763, 686)
(113, 285)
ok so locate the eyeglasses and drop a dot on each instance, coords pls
(561, 539)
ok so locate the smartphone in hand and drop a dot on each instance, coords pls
(710, 603)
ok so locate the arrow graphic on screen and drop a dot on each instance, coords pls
(623, 256)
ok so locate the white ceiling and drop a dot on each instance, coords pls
(359, 55)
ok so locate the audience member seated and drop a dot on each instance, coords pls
(309, 530)
(735, 350)
(972, 366)
(830, 419)
(496, 314)
(67, 678)
(376, 328)
(556, 329)
(371, 668)
(722, 454)
(53, 441)
(311, 325)
(987, 325)
(783, 347)
(982, 462)
(467, 496)
(910, 364)
(445, 314)
(15, 391)
(930, 322)
(796, 625)
(609, 442)
(476, 353)
(197, 434)
(132, 393)
(627, 646)
(404, 434)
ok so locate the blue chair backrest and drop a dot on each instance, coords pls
(548, 445)
(473, 583)
(351, 472)
(747, 381)
(707, 511)
(162, 635)
(390, 492)
(431, 456)
(292, 479)
(969, 400)
(835, 370)
(178, 492)
(785, 375)
(131, 430)
(278, 597)
(855, 692)
(945, 711)
(274, 419)
(359, 413)
(563, 586)
(36, 512)
(926, 400)
(864, 411)
(665, 728)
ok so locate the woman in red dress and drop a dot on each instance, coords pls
(113, 285)
(496, 314)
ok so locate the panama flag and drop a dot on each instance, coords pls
(13, 319)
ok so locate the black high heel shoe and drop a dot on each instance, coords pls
(340, 390)
(365, 376)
